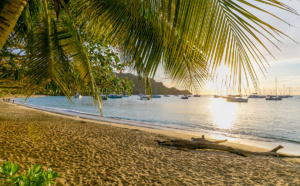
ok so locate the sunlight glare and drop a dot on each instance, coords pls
(223, 113)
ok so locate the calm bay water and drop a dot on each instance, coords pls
(260, 120)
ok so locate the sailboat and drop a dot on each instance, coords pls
(217, 94)
(288, 96)
(184, 97)
(290, 93)
(77, 95)
(155, 95)
(255, 95)
(275, 98)
(238, 98)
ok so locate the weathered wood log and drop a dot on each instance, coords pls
(205, 140)
(202, 143)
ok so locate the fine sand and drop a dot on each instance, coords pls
(85, 151)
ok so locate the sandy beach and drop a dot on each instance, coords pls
(101, 153)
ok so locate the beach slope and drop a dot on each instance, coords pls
(103, 154)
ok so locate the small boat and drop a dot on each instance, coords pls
(217, 96)
(113, 96)
(103, 97)
(197, 95)
(144, 97)
(77, 95)
(184, 97)
(156, 96)
(275, 98)
(254, 95)
(237, 99)
(287, 96)
(166, 96)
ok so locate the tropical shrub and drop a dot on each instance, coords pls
(35, 176)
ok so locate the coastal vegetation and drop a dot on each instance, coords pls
(35, 176)
(51, 41)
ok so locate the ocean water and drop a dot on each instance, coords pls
(265, 122)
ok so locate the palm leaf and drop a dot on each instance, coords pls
(73, 45)
(47, 59)
(188, 38)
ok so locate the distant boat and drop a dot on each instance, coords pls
(217, 96)
(144, 97)
(237, 99)
(289, 96)
(166, 96)
(189, 96)
(285, 96)
(77, 95)
(254, 95)
(184, 97)
(197, 95)
(156, 96)
(103, 97)
(274, 98)
(113, 96)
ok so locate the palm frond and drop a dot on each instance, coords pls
(190, 38)
(47, 59)
(73, 45)
(56, 53)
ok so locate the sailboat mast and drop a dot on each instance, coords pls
(276, 85)
(240, 80)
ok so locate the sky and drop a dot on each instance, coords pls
(286, 66)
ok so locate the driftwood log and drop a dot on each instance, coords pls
(202, 143)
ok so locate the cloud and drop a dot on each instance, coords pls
(286, 62)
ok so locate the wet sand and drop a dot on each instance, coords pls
(85, 151)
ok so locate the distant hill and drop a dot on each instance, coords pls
(157, 87)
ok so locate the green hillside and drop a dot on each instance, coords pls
(157, 87)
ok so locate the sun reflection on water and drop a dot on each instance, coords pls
(224, 114)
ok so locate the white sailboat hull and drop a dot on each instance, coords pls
(237, 100)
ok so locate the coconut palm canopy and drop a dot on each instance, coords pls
(190, 39)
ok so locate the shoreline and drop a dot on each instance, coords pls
(85, 151)
(145, 127)
(242, 143)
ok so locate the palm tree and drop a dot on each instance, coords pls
(9, 15)
(190, 39)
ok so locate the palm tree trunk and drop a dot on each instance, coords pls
(9, 16)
